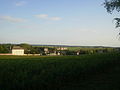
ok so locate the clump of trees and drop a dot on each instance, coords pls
(5, 48)
(29, 49)
(112, 5)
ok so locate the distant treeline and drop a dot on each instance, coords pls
(32, 49)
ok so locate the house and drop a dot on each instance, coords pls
(62, 48)
(17, 50)
(46, 50)
(78, 53)
(50, 51)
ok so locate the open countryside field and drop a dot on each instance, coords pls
(85, 72)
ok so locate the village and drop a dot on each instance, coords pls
(29, 50)
(17, 50)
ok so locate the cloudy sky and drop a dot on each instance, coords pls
(66, 22)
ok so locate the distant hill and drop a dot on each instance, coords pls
(73, 46)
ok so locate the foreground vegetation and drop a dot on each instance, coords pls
(85, 72)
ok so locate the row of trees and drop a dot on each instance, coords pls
(29, 49)
(5, 48)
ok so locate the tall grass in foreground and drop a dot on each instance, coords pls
(59, 72)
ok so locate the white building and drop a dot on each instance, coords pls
(78, 53)
(17, 50)
(46, 50)
(62, 48)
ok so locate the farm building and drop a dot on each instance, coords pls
(17, 50)
(62, 48)
(46, 50)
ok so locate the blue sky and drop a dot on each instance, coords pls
(66, 22)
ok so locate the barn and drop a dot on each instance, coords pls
(17, 50)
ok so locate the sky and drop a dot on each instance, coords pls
(65, 22)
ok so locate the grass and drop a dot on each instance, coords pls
(85, 72)
(88, 49)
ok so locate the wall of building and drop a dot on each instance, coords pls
(18, 52)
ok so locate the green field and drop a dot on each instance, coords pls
(85, 72)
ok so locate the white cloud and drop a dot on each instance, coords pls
(11, 19)
(42, 16)
(55, 18)
(21, 3)
(45, 16)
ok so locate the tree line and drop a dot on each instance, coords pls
(29, 49)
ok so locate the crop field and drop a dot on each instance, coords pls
(84, 72)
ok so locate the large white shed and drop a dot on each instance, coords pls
(17, 50)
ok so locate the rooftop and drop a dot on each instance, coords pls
(17, 47)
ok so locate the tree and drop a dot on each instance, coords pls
(112, 5)
(4, 48)
(29, 49)
(26, 47)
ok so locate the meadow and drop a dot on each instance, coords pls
(84, 72)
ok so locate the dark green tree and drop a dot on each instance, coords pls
(35, 50)
(26, 47)
(4, 48)
(112, 5)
